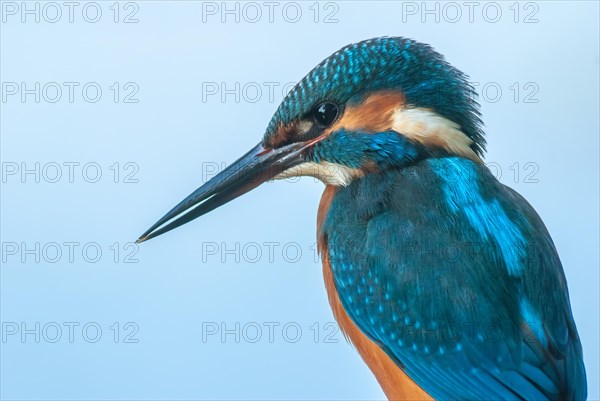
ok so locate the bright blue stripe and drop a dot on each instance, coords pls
(532, 318)
(487, 217)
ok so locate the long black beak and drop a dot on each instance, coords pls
(251, 170)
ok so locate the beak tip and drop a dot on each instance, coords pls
(257, 166)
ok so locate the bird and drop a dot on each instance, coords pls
(446, 281)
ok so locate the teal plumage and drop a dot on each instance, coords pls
(438, 293)
(420, 73)
(434, 262)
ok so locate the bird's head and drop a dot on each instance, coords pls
(378, 104)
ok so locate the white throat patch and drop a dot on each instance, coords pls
(418, 124)
(328, 173)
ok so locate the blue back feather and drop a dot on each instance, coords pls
(455, 276)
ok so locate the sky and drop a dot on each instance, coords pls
(112, 112)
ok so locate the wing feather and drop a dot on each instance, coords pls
(457, 320)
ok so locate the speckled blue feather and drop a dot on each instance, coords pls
(456, 278)
(355, 149)
(386, 63)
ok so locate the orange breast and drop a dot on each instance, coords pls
(395, 383)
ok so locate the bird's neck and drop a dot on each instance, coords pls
(395, 383)
(410, 188)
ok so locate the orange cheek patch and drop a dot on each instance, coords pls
(375, 114)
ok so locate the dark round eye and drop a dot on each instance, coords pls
(325, 113)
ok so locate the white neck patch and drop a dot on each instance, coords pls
(418, 124)
(432, 130)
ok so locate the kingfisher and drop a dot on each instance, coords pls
(446, 281)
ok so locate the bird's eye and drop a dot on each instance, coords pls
(325, 113)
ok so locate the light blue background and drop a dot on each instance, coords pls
(175, 286)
